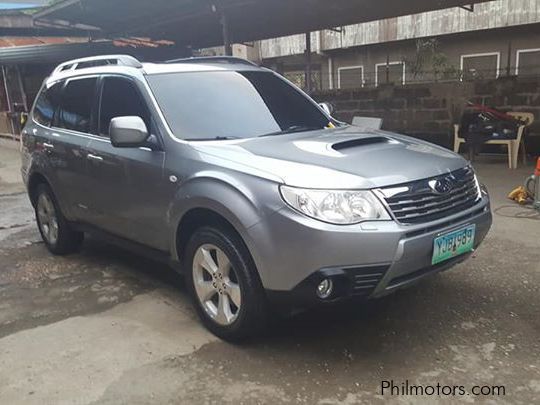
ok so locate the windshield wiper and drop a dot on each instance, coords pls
(215, 138)
(291, 129)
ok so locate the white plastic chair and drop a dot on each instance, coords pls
(512, 144)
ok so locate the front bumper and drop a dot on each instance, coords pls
(366, 260)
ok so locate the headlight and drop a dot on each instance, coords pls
(341, 207)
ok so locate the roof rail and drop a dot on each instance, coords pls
(102, 60)
(213, 59)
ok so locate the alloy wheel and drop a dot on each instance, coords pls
(47, 219)
(216, 284)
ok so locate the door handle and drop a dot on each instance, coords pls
(48, 145)
(94, 157)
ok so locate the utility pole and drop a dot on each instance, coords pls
(509, 60)
(387, 70)
(308, 62)
(226, 34)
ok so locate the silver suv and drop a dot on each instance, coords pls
(244, 184)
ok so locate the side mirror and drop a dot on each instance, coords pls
(327, 107)
(128, 132)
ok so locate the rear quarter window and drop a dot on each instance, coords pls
(47, 104)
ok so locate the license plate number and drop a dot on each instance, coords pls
(453, 244)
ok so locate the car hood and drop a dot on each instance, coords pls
(345, 157)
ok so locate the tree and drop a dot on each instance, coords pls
(429, 63)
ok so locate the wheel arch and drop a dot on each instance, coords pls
(196, 218)
(35, 179)
(212, 202)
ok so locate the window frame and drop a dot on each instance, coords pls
(519, 52)
(390, 63)
(477, 55)
(340, 69)
(147, 102)
(54, 123)
(44, 88)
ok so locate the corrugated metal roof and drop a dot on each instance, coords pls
(197, 23)
(21, 4)
(8, 42)
(54, 53)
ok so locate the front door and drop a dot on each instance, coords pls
(128, 186)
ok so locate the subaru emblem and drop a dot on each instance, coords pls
(443, 185)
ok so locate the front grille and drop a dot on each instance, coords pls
(365, 279)
(433, 198)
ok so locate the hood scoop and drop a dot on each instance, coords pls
(353, 143)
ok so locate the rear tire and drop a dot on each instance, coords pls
(224, 284)
(55, 230)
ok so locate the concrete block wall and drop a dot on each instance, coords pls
(433, 108)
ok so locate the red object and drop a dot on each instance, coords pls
(498, 114)
(537, 171)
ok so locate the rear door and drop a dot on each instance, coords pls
(129, 192)
(37, 139)
(63, 115)
(73, 125)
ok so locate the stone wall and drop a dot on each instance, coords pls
(430, 110)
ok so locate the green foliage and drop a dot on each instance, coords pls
(429, 63)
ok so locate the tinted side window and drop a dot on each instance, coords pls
(47, 104)
(76, 107)
(120, 98)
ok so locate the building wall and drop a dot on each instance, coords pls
(504, 42)
(489, 15)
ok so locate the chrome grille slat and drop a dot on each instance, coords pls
(431, 197)
(419, 203)
(436, 204)
(423, 214)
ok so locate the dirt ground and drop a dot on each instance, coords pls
(106, 327)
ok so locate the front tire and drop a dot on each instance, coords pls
(55, 230)
(224, 284)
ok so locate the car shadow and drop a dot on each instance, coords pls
(422, 306)
(122, 261)
(419, 319)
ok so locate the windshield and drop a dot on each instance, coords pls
(229, 104)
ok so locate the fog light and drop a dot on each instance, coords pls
(325, 288)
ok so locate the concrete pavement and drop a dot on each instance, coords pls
(106, 327)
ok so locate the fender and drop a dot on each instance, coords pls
(40, 167)
(34, 162)
(225, 195)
